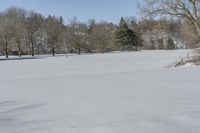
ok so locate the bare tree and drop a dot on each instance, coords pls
(41, 41)
(5, 33)
(53, 27)
(155, 33)
(34, 22)
(79, 34)
(101, 36)
(188, 35)
(187, 9)
(18, 16)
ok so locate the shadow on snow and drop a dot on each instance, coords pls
(14, 117)
(20, 58)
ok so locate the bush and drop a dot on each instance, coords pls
(170, 44)
(195, 60)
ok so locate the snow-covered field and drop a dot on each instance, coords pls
(102, 93)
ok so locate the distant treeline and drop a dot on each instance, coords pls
(25, 32)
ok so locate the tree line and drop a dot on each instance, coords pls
(25, 32)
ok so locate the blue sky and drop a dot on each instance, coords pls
(109, 10)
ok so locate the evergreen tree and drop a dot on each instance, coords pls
(122, 34)
(133, 39)
(126, 37)
(170, 43)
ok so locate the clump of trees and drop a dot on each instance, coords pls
(127, 37)
(170, 44)
(155, 33)
(25, 32)
(101, 37)
(185, 10)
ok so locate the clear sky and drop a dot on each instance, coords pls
(109, 10)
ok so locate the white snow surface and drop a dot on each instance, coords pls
(131, 92)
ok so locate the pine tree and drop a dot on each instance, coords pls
(170, 43)
(122, 34)
(126, 37)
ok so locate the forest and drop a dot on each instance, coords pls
(24, 32)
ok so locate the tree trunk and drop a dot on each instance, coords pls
(197, 28)
(32, 46)
(53, 51)
(6, 50)
(79, 51)
(102, 50)
(19, 51)
(136, 48)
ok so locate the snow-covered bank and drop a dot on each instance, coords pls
(102, 93)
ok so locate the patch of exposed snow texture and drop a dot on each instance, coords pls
(131, 92)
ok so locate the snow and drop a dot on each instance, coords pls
(131, 92)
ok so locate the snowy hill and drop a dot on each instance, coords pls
(131, 92)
